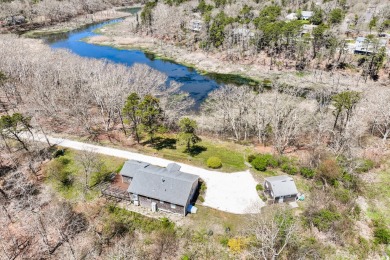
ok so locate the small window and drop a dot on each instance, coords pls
(161, 202)
(173, 206)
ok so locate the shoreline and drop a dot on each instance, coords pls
(120, 36)
(79, 22)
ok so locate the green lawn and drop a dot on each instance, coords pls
(232, 155)
(66, 165)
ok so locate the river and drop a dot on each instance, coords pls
(196, 84)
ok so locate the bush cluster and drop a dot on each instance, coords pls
(289, 168)
(307, 172)
(324, 219)
(261, 161)
(259, 187)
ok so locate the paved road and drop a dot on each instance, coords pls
(230, 192)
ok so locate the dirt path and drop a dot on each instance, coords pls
(230, 192)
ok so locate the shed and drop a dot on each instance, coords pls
(281, 188)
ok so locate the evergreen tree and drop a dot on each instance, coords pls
(151, 115)
(188, 133)
(131, 112)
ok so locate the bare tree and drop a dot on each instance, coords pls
(273, 229)
(90, 163)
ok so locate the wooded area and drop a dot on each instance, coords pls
(333, 138)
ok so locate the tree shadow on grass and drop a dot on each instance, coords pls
(163, 143)
(195, 150)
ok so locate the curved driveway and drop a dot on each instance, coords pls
(230, 192)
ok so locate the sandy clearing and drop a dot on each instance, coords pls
(230, 192)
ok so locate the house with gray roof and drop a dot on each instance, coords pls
(158, 188)
(306, 15)
(364, 45)
(281, 188)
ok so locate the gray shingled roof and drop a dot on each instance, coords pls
(131, 167)
(282, 185)
(165, 184)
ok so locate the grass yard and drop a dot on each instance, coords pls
(232, 155)
(66, 175)
(218, 221)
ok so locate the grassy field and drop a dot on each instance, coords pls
(65, 174)
(232, 155)
(212, 219)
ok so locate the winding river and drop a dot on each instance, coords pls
(196, 84)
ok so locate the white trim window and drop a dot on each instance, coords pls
(173, 206)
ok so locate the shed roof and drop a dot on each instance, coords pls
(282, 185)
(165, 184)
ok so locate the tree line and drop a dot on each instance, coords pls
(258, 31)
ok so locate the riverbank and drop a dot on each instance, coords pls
(80, 22)
(121, 36)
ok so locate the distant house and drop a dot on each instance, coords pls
(195, 25)
(307, 28)
(243, 33)
(281, 188)
(157, 188)
(365, 46)
(306, 15)
(291, 16)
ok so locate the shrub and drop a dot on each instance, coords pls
(203, 187)
(100, 177)
(289, 169)
(58, 153)
(65, 178)
(259, 187)
(63, 160)
(262, 161)
(167, 224)
(263, 198)
(329, 169)
(365, 165)
(382, 235)
(201, 199)
(271, 160)
(236, 244)
(307, 172)
(324, 218)
(259, 164)
(224, 241)
(185, 257)
(57, 171)
(214, 163)
(251, 157)
(342, 195)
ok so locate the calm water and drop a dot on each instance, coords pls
(198, 86)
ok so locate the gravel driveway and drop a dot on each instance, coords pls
(230, 192)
